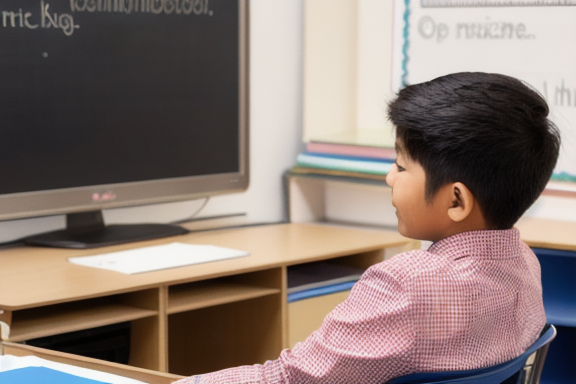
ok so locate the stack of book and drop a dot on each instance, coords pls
(366, 154)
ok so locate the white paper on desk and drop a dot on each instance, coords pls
(157, 257)
(9, 362)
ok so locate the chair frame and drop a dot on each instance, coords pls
(524, 369)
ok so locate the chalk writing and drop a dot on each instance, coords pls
(186, 7)
(21, 19)
(17, 19)
(430, 29)
(65, 21)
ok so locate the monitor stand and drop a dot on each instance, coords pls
(87, 230)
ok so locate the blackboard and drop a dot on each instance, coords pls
(92, 89)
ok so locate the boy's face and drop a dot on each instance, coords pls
(417, 218)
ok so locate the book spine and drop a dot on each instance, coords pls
(351, 150)
(343, 164)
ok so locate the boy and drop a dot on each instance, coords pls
(475, 150)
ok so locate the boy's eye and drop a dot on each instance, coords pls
(400, 168)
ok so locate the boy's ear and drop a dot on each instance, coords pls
(462, 202)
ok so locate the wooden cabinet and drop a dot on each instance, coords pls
(184, 320)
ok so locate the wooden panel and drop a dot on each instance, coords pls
(214, 338)
(284, 307)
(306, 316)
(148, 341)
(552, 234)
(145, 345)
(208, 294)
(52, 320)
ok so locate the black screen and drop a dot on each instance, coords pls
(96, 92)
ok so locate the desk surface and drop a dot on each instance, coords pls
(540, 233)
(31, 276)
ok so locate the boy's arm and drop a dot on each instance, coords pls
(368, 338)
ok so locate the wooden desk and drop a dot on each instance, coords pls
(198, 318)
(552, 234)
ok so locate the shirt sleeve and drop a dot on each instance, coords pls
(368, 338)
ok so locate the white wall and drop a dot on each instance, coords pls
(275, 123)
(554, 208)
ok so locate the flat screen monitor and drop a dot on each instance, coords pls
(115, 103)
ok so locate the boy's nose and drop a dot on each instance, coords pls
(391, 175)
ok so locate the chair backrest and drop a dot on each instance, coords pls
(558, 285)
(525, 369)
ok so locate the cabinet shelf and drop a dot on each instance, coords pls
(210, 293)
(62, 318)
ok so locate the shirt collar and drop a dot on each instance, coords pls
(492, 244)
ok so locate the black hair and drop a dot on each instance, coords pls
(488, 131)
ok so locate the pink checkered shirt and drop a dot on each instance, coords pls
(470, 300)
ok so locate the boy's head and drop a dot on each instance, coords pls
(489, 132)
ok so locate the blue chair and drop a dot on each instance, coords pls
(525, 369)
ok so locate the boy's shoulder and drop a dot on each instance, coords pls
(411, 265)
(461, 252)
